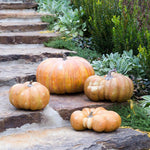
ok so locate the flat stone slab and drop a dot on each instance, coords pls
(11, 71)
(22, 26)
(66, 104)
(31, 52)
(34, 37)
(66, 138)
(16, 1)
(10, 117)
(21, 14)
(17, 5)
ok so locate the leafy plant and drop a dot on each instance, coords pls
(67, 43)
(52, 6)
(69, 23)
(144, 55)
(133, 115)
(145, 103)
(98, 14)
(68, 20)
(49, 19)
(127, 64)
(141, 87)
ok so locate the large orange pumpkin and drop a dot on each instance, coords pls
(64, 75)
(114, 87)
(98, 119)
(32, 96)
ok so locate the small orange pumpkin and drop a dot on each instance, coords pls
(32, 96)
(64, 75)
(98, 119)
(114, 87)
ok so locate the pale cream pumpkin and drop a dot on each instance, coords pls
(98, 119)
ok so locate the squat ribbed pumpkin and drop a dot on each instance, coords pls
(114, 87)
(29, 95)
(64, 75)
(98, 119)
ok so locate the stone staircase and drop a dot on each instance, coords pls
(21, 50)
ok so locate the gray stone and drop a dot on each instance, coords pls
(29, 52)
(34, 37)
(22, 26)
(17, 1)
(66, 104)
(21, 14)
(66, 138)
(18, 5)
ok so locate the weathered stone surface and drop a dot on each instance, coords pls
(63, 104)
(18, 5)
(18, 1)
(13, 70)
(66, 104)
(30, 52)
(10, 117)
(34, 37)
(23, 14)
(67, 139)
(22, 26)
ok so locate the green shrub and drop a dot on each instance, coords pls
(71, 45)
(133, 116)
(127, 64)
(67, 21)
(146, 103)
(130, 26)
(116, 25)
(49, 19)
(98, 15)
(144, 55)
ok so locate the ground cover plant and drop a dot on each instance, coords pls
(109, 34)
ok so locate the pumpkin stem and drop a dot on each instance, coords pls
(64, 56)
(109, 76)
(91, 114)
(30, 84)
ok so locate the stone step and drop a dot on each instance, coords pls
(64, 105)
(16, 20)
(26, 14)
(22, 26)
(10, 117)
(30, 52)
(65, 138)
(21, 64)
(34, 37)
(18, 1)
(18, 5)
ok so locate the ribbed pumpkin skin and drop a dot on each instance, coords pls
(99, 120)
(118, 89)
(64, 76)
(35, 97)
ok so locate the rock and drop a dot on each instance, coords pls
(22, 26)
(66, 104)
(10, 117)
(29, 52)
(20, 5)
(21, 14)
(34, 37)
(66, 138)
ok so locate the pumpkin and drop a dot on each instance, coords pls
(99, 119)
(64, 75)
(28, 95)
(114, 87)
